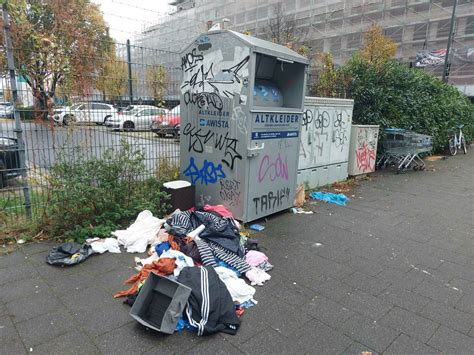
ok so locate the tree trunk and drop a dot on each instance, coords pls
(42, 103)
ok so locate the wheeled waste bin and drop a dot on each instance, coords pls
(241, 113)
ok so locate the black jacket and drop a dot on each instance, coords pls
(210, 307)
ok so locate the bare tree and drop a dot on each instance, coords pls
(281, 28)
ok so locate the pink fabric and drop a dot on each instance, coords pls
(224, 212)
(255, 258)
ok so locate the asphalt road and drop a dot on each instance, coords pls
(45, 144)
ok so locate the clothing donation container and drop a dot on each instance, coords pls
(241, 114)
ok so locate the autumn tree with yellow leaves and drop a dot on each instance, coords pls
(377, 48)
(56, 42)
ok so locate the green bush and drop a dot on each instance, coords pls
(394, 95)
(90, 197)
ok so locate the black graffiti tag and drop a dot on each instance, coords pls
(204, 99)
(190, 60)
(197, 139)
(307, 118)
(230, 191)
(271, 200)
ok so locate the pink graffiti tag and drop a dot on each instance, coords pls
(275, 169)
(365, 157)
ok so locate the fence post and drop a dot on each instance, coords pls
(129, 64)
(18, 130)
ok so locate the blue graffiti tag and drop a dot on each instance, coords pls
(208, 174)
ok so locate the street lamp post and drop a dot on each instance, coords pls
(447, 64)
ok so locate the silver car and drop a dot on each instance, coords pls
(6, 109)
(133, 117)
(93, 112)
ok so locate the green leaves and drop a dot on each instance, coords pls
(393, 95)
(90, 197)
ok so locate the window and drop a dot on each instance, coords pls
(420, 32)
(443, 28)
(470, 25)
(395, 33)
(99, 107)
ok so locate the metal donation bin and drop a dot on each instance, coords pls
(363, 149)
(325, 136)
(241, 113)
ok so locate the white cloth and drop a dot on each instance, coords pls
(102, 245)
(238, 288)
(140, 263)
(141, 233)
(182, 260)
(257, 276)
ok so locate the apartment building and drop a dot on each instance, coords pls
(337, 26)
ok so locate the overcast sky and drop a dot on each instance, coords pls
(127, 17)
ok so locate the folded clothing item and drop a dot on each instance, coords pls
(255, 258)
(257, 276)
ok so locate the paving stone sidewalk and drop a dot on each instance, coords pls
(391, 273)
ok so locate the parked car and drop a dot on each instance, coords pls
(93, 112)
(97, 113)
(64, 115)
(6, 109)
(168, 124)
(135, 117)
(9, 160)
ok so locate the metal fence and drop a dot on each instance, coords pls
(130, 98)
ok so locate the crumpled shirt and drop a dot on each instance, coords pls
(238, 288)
(141, 233)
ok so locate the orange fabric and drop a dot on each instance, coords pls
(163, 266)
(173, 244)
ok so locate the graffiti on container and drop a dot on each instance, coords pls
(271, 200)
(315, 134)
(340, 130)
(204, 100)
(307, 119)
(230, 191)
(209, 173)
(240, 119)
(272, 169)
(210, 73)
(191, 60)
(204, 200)
(222, 142)
(365, 151)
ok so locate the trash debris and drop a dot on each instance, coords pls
(299, 196)
(338, 199)
(435, 157)
(20, 241)
(300, 211)
(159, 303)
(206, 251)
(257, 227)
(136, 237)
(100, 246)
(68, 254)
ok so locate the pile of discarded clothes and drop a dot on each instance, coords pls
(199, 261)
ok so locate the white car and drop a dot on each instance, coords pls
(135, 117)
(93, 112)
(6, 109)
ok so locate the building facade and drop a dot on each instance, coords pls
(335, 26)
